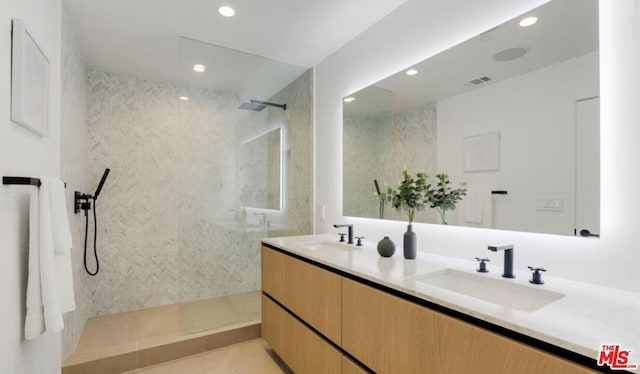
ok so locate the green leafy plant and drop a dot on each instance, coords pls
(443, 197)
(411, 195)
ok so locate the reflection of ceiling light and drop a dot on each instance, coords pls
(412, 72)
(349, 99)
(184, 98)
(528, 21)
(199, 68)
(226, 11)
(510, 54)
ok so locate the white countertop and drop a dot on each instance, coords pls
(581, 321)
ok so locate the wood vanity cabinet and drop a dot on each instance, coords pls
(302, 349)
(393, 335)
(350, 367)
(384, 332)
(311, 293)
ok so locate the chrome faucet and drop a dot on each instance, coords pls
(350, 231)
(508, 259)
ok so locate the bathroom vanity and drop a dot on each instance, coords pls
(329, 307)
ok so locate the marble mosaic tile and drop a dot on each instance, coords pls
(166, 214)
(380, 148)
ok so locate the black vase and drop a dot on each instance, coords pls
(410, 243)
(386, 247)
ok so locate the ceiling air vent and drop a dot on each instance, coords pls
(478, 81)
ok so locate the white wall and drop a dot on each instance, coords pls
(420, 29)
(25, 154)
(535, 115)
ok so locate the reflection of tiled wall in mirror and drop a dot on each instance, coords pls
(380, 148)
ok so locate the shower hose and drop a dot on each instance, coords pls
(95, 234)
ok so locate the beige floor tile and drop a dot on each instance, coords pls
(121, 333)
(172, 351)
(247, 306)
(110, 365)
(197, 316)
(105, 336)
(97, 354)
(108, 331)
(159, 321)
(233, 336)
(245, 358)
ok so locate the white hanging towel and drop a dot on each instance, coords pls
(50, 281)
(477, 208)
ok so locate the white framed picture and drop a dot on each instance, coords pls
(482, 152)
(29, 81)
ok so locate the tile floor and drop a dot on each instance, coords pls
(130, 340)
(218, 312)
(249, 357)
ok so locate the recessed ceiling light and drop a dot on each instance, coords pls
(226, 11)
(349, 99)
(528, 21)
(199, 68)
(184, 98)
(412, 72)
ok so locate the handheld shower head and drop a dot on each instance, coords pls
(102, 180)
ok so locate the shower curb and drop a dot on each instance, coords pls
(186, 346)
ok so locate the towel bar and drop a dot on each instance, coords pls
(26, 181)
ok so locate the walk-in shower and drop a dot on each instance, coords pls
(232, 167)
(182, 222)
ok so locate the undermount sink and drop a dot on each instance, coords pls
(314, 245)
(496, 291)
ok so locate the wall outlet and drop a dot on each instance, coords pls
(550, 205)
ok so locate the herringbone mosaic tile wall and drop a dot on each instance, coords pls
(164, 233)
(410, 137)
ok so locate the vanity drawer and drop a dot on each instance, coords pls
(311, 293)
(393, 335)
(350, 367)
(302, 349)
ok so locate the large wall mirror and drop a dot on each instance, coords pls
(513, 112)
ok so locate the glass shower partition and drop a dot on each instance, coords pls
(244, 172)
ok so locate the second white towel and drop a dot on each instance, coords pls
(50, 280)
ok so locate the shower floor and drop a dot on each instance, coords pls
(130, 340)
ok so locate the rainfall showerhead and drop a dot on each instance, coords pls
(252, 106)
(257, 105)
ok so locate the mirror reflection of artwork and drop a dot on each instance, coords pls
(482, 152)
(260, 171)
(520, 82)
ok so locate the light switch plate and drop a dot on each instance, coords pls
(550, 204)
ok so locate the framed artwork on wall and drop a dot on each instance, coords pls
(29, 81)
(482, 152)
